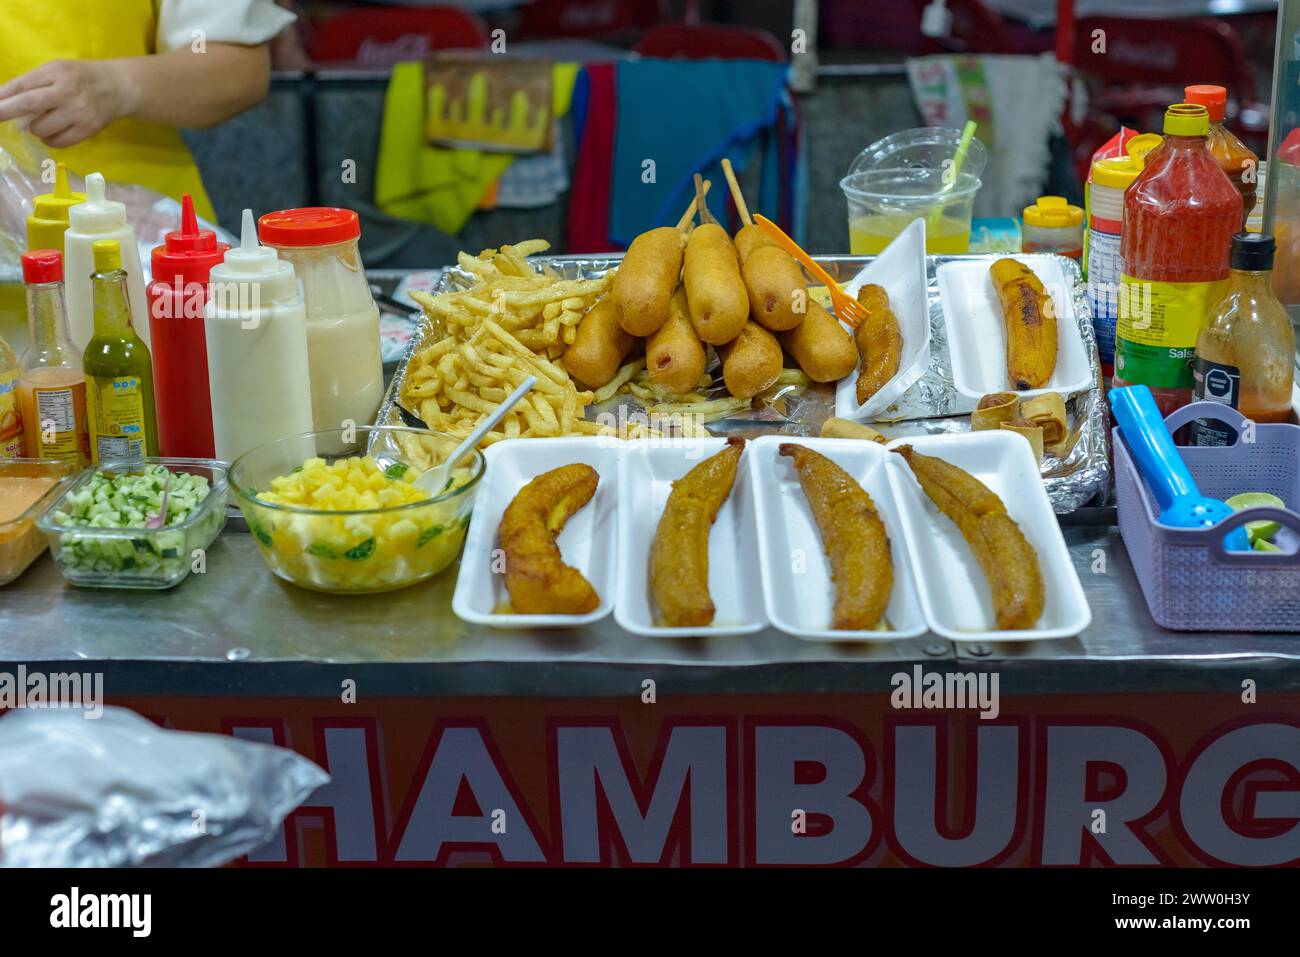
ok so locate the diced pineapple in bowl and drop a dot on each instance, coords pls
(336, 510)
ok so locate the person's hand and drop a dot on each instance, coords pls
(67, 101)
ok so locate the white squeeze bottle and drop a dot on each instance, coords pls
(95, 219)
(256, 331)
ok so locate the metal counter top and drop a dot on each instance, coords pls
(239, 630)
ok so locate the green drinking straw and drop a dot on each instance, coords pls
(959, 157)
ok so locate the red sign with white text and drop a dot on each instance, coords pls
(824, 780)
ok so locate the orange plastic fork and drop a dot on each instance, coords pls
(847, 308)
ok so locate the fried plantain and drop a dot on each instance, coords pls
(538, 580)
(879, 341)
(1008, 560)
(1030, 317)
(679, 557)
(852, 534)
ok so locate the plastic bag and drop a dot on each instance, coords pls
(27, 171)
(118, 791)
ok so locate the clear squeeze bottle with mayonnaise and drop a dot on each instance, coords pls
(347, 375)
(256, 333)
(99, 218)
(51, 385)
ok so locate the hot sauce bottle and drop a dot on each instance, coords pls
(1179, 218)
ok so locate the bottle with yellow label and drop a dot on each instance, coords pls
(51, 386)
(11, 417)
(119, 372)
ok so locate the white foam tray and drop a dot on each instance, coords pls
(648, 470)
(977, 337)
(797, 589)
(954, 592)
(900, 268)
(588, 542)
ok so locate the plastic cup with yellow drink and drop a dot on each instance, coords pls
(916, 174)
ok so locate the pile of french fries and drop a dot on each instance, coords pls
(512, 323)
(515, 322)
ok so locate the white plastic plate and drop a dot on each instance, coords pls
(955, 595)
(900, 268)
(797, 588)
(977, 336)
(648, 471)
(588, 542)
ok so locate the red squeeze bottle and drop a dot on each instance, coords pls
(177, 297)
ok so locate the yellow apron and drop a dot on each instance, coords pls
(127, 150)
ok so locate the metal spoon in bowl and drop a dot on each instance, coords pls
(433, 481)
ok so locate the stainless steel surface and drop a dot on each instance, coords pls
(237, 617)
(931, 405)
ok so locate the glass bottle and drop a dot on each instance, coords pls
(1245, 356)
(51, 386)
(119, 373)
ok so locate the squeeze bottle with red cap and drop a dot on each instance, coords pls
(178, 296)
(51, 385)
(347, 371)
(49, 219)
(256, 332)
(89, 222)
(1234, 157)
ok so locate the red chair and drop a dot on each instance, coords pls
(382, 36)
(705, 41)
(1144, 67)
(589, 19)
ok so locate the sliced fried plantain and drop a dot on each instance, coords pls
(539, 581)
(679, 557)
(852, 534)
(1008, 560)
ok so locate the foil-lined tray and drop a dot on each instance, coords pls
(932, 405)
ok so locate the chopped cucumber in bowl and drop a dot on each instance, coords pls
(100, 532)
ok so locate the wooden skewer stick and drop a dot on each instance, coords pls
(690, 210)
(736, 195)
(705, 215)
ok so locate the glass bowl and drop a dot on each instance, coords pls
(21, 542)
(358, 551)
(136, 557)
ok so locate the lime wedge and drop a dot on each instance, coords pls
(1257, 531)
(1264, 545)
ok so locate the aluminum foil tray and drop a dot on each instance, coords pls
(931, 405)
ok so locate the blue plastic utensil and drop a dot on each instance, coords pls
(1181, 503)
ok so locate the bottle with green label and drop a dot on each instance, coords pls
(119, 373)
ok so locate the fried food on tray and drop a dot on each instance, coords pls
(718, 301)
(834, 428)
(675, 357)
(853, 536)
(1032, 432)
(1008, 560)
(1048, 412)
(1030, 318)
(484, 340)
(821, 346)
(994, 409)
(646, 280)
(679, 556)
(879, 341)
(778, 292)
(538, 580)
(600, 346)
(751, 362)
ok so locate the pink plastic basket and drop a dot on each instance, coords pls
(1190, 581)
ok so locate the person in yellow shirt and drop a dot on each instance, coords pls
(105, 85)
